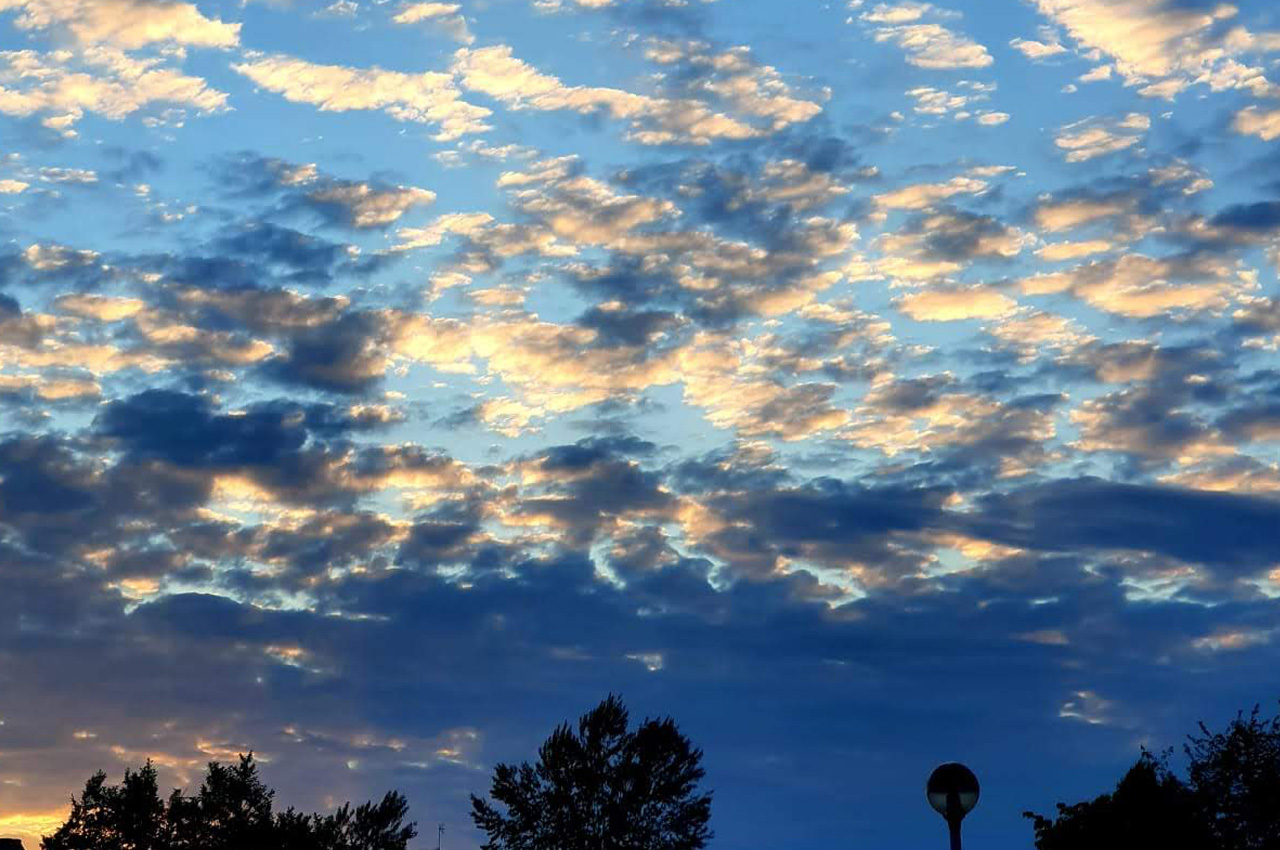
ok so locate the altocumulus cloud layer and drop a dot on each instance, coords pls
(865, 385)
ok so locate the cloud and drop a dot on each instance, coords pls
(345, 355)
(494, 71)
(1140, 286)
(927, 45)
(734, 78)
(1037, 51)
(98, 79)
(924, 195)
(709, 413)
(445, 16)
(352, 203)
(960, 106)
(1138, 517)
(1163, 46)
(1093, 137)
(127, 24)
(1252, 122)
(957, 305)
(1057, 251)
(429, 97)
(1056, 214)
(424, 11)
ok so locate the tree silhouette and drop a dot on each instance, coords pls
(231, 811)
(129, 816)
(1236, 777)
(1150, 807)
(1229, 801)
(601, 787)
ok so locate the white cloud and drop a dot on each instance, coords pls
(1094, 137)
(1037, 50)
(927, 44)
(1163, 47)
(428, 97)
(1093, 75)
(1067, 213)
(339, 9)
(368, 206)
(125, 23)
(444, 16)
(654, 120)
(461, 224)
(102, 80)
(734, 78)
(1253, 122)
(425, 11)
(1057, 251)
(84, 176)
(902, 13)
(1139, 286)
(962, 105)
(951, 305)
(935, 46)
(922, 195)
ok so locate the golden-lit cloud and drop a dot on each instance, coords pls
(926, 43)
(428, 97)
(1093, 137)
(127, 24)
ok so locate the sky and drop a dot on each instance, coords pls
(864, 385)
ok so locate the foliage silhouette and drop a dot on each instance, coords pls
(601, 787)
(231, 811)
(1229, 801)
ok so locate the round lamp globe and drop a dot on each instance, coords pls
(952, 790)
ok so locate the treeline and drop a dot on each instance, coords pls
(607, 786)
(1229, 800)
(233, 810)
(600, 786)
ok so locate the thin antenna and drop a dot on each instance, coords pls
(440, 838)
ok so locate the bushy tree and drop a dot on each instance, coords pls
(601, 787)
(1150, 807)
(128, 816)
(1230, 799)
(231, 811)
(1235, 775)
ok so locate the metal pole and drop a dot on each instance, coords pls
(955, 814)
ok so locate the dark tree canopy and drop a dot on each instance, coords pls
(601, 787)
(231, 811)
(1230, 799)
(1236, 776)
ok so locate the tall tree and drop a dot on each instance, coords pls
(601, 787)
(234, 809)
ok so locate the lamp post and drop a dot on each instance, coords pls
(953, 792)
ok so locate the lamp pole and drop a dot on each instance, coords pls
(952, 791)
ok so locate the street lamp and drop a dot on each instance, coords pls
(953, 792)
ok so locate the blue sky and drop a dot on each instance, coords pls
(866, 385)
